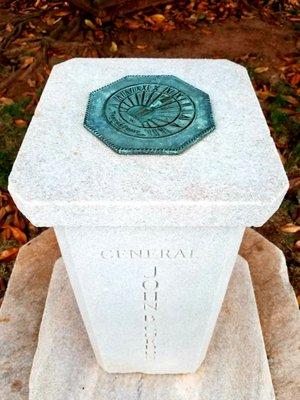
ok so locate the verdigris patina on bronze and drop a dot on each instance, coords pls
(152, 114)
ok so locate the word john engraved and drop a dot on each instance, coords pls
(150, 286)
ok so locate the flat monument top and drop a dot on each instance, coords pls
(64, 175)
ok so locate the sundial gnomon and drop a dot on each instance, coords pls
(149, 110)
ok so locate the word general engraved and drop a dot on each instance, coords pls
(150, 287)
(149, 110)
(109, 254)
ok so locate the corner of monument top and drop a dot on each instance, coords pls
(66, 174)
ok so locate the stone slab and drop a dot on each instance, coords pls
(21, 313)
(149, 297)
(278, 312)
(63, 175)
(65, 367)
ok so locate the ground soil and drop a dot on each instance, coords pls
(266, 44)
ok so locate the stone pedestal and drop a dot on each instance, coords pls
(149, 240)
(68, 369)
(72, 365)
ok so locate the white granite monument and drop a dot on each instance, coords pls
(149, 240)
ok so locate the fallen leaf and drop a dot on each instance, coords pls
(2, 213)
(133, 24)
(260, 70)
(6, 233)
(290, 99)
(295, 79)
(9, 254)
(31, 83)
(20, 123)
(287, 111)
(18, 221)
(61, 13)
(294, 184)
(27, 61)
(90, 24)
(141, 46)
(113, 47)
(6, 101)
(9, 28)
(10, 208)
(158, 18)
(290, 228)
(297, 245)
(99, 34)
(18, 234)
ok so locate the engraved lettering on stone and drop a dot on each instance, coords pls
(150, 286)
(174, 254)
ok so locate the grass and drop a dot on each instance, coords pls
(11, 136)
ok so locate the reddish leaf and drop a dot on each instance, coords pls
(9, 254)
(18, 234)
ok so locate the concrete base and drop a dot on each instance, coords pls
(21, 313)
(65, 366)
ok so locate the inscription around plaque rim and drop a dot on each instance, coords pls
(149, 110)
(149, 114)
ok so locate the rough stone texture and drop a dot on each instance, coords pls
(64, 175)
(149, 297)
(278, 312)
(21, 313)
(235, 367)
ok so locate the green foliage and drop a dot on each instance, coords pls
(11, 136)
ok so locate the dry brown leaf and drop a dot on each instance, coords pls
(27, 61)
(294, 184)
(10, 207)
(90, 24)
(18, 234)
(113, 47)
(158, 18)
(141, 46)
(20, 123)
(9, 28)
(61, 13)
(6, 101)
(297, 245)
(260, 70)
(6, 233)
(2, 213)
(133, 24)
(9, 254)
(295, 79)
(290, 228)
(31, 83)
(290, 99)
(18, 221)
(287, 111)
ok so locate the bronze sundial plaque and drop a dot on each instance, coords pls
(152, 114)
